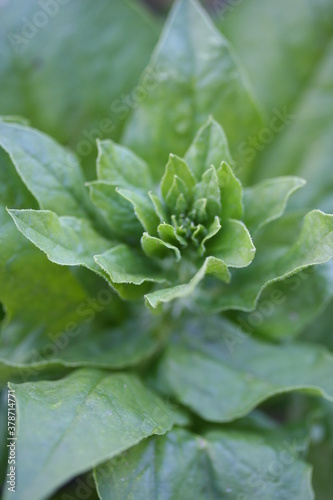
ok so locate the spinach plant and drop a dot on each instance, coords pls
(157, 312)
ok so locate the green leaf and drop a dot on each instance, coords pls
(221, 373)
(198, 76)
(51, 173)
(160, 209)
(38, 297)
(155, 247)
(95, 99)
(126, 267)
(176, 168)
(267, 200)
(120, 166)
(278, 257)
(208, 189)
(213, 229)
(85, 343)
(286, 308)
(211, 266)
(209, 147)
(143, 208)
(67, 241)
(232, 244)
(117, 212)
(94, 415)
(168, 233)
(217, 464)
(231, 193)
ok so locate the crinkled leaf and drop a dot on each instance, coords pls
(176, 168)
(67, 241)
(267, 200)
(217, 464)
(130, 272)
(117, 211)
(221, 373)
(94, 416)
(119, 165)
(155, 247)
(211, 266)
(197, 76)
(209, 147)
(168, 233)
(277, 258)
(232, 244)
(50, 172)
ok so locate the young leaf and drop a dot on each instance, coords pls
(231, 193)
(211, 266)
(209, 147)
(208, 189)
(155, 247)
(232, 244)
(217, 464)
(125, 265)
(95, 416)
(277, 259)
(177, 168)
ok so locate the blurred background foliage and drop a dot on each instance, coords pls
(71, 68)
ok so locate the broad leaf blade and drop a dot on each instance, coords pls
(51, 173)
(95, 416)
(36, 303)
(120, 166)
(217, 464)
(232, 244)
(66, 241)
(222, 373)
(117, 211)
(198, 75)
